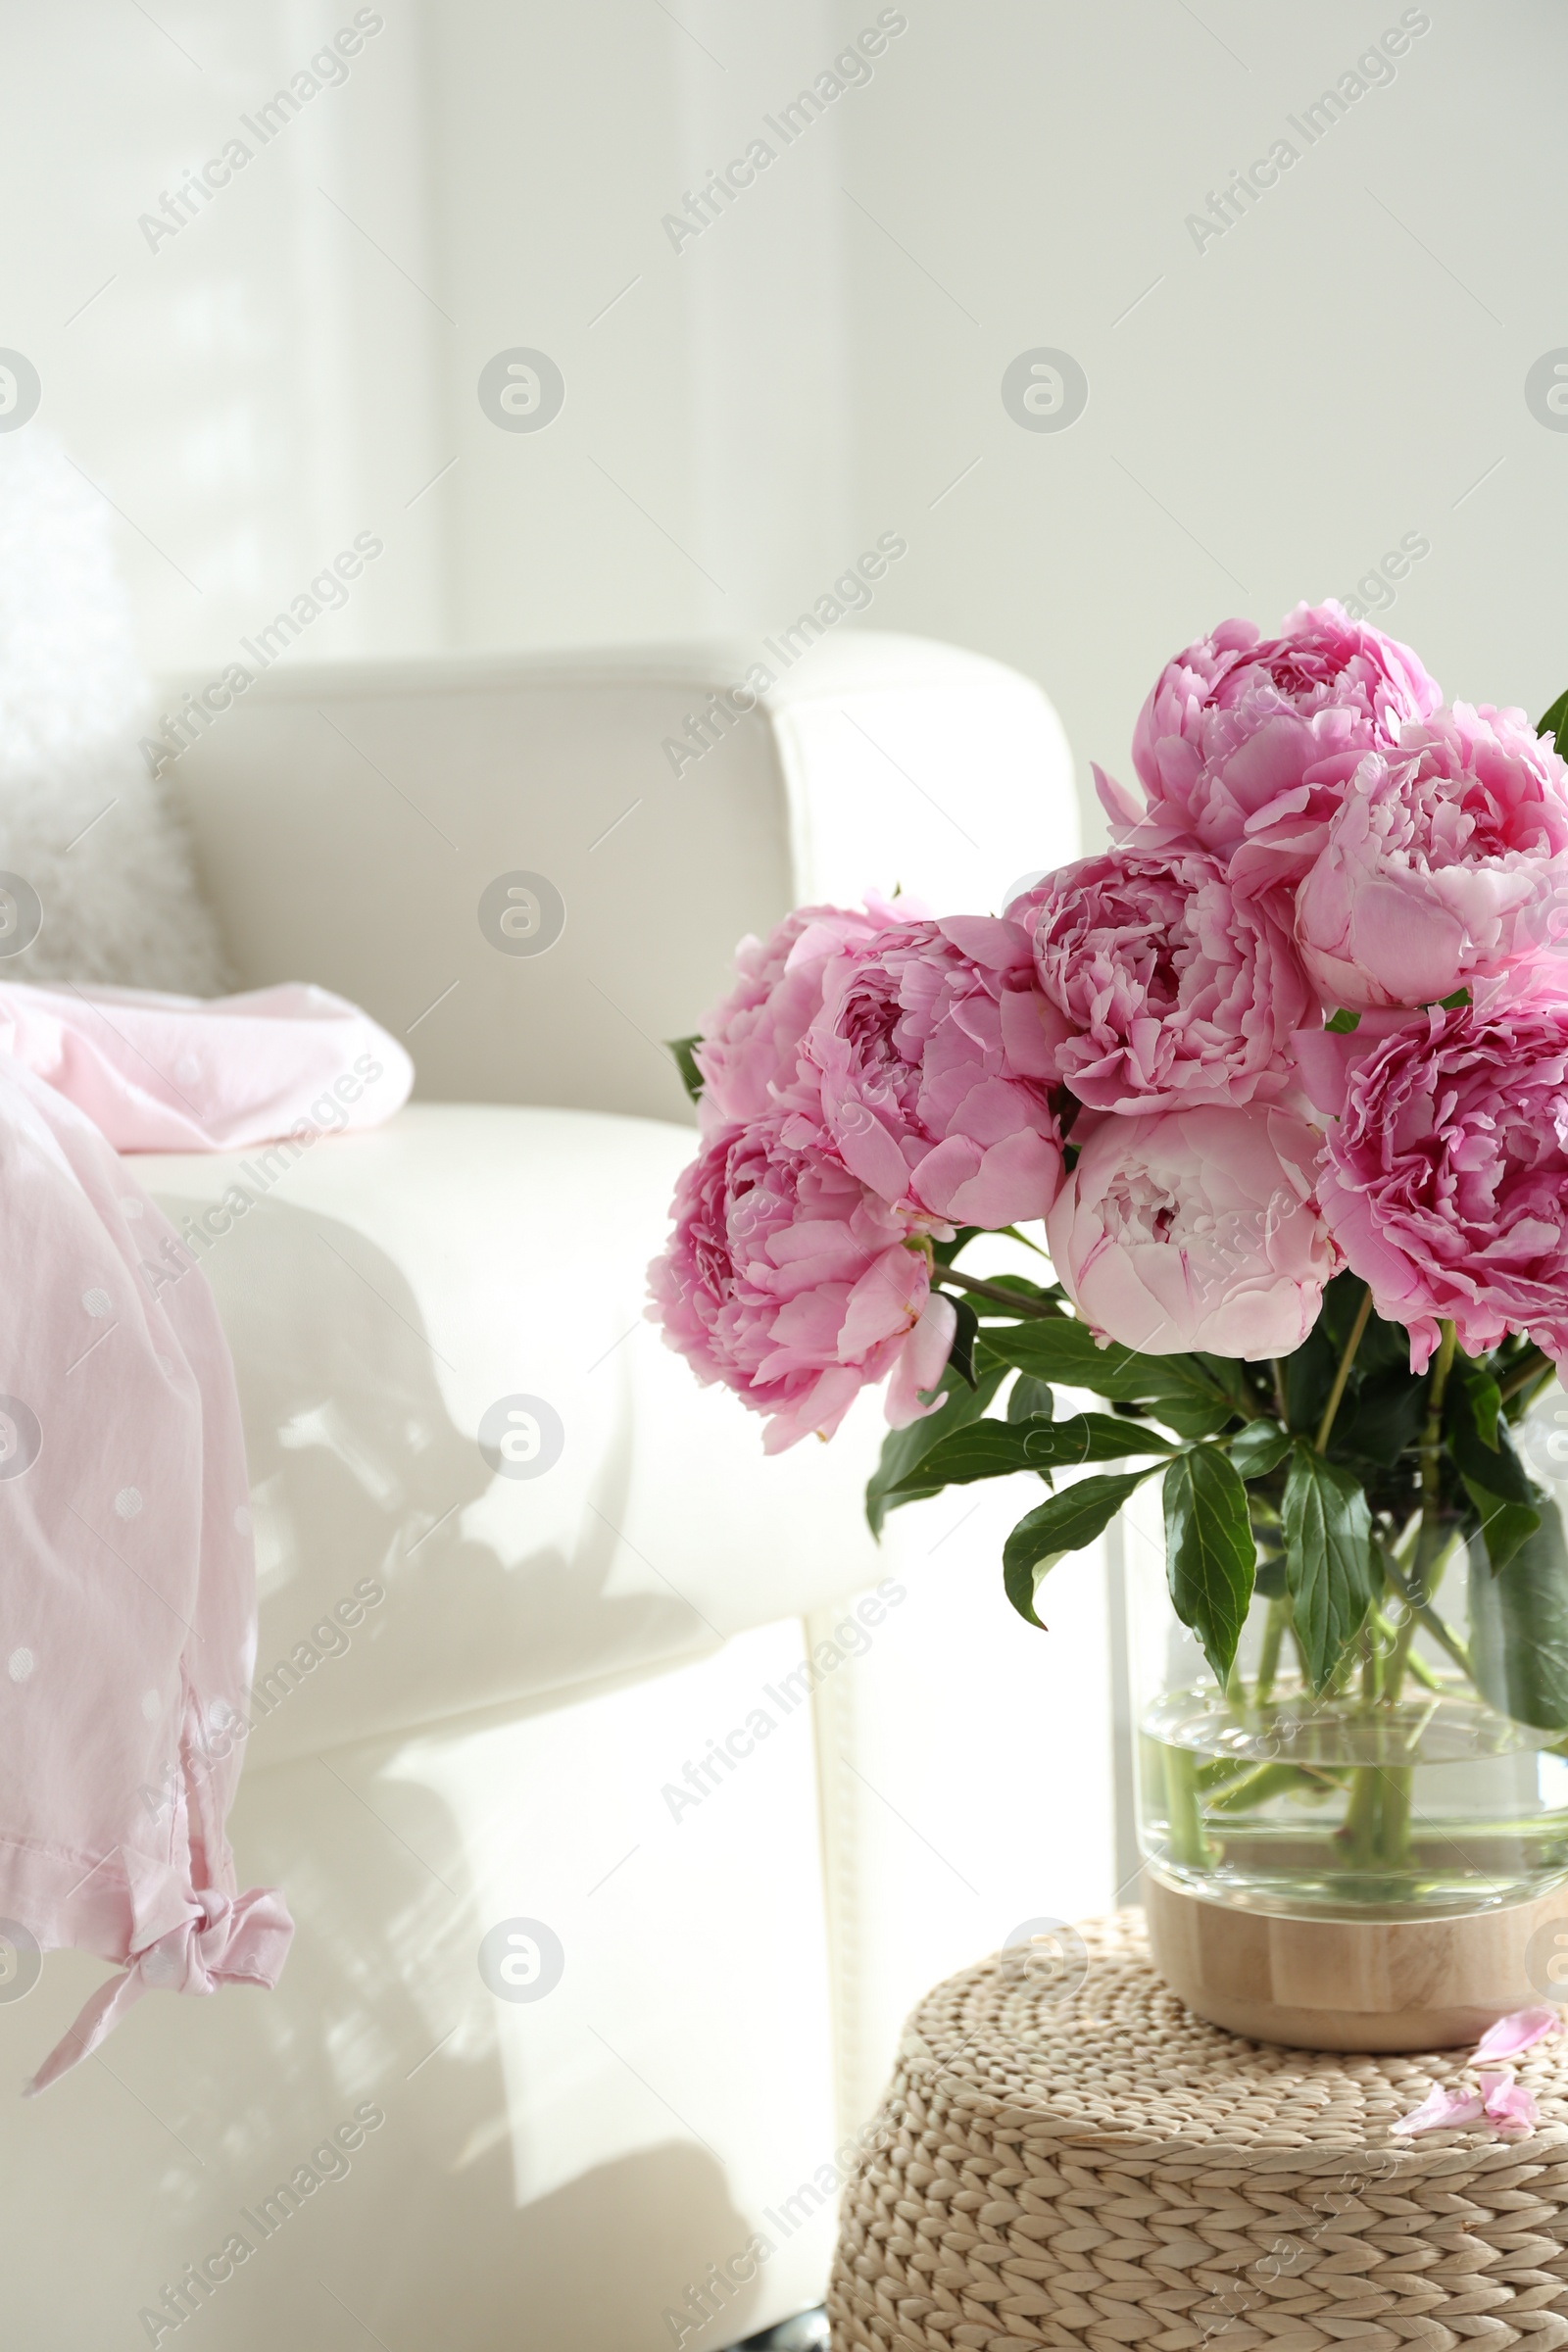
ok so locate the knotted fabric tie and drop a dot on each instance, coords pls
(225, 1939)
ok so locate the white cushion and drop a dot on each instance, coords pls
(102, 855)
(382, 1292)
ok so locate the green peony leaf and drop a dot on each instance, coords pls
(1478, 1439)
(1474, 1395)
(1000, 1448)
(1210, 1557)
(904, 1449)
(1030, 1400)
(1328, 1568)
(965, 1331)
(1227, 1374)
(1192, 1416)
(1519, 1627)
(1554, 722)
(1309, 1376)
(1383, 1346)
(685, 1060)
(1259, 1448)
(1060, 1348)
(1066, 1523)
(1382, 1418)
(1504, 1526)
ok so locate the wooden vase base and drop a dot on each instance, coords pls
(1357, 1985)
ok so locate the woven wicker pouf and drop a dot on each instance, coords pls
(1091, 2165)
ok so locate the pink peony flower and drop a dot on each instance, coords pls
(751, 1040)
(1194, 1229)
(790, 1282)
(1176, 990)
(933, 1047)
(1445, 1177)
(1447, 862)
(1246, 743)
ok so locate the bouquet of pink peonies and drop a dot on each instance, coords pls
(1285, 1075)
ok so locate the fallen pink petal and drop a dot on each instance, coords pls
(1443, 2111)
(1519, 2030)
(1508, 2103)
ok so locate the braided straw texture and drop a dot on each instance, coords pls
(1088, 2165)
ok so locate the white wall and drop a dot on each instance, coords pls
(1336, 372)
(1287, 403)
(252, 390)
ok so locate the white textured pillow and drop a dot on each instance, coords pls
(87, 830)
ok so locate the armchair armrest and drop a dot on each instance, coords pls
(350, 821)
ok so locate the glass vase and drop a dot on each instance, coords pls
(1416, 1786)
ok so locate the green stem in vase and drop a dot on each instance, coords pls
(1432, 1547)
(1268, 1656)
(1358, 1832)
(1265, 1782)
(1378, 1814)
(1183, 1810)
(1429, 1541)
(1399, 1654)
(1377, 1820)
(1393, 1843)
(1422, 1613)
(1371, 1660)
(1389, 1637)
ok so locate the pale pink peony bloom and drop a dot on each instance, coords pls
(751, 1041)
(790, 1282)
(933, 1048)
(1176, 990)
(1194, 1229)
(1445, 864)
(1445, 1178)
(1246, 743)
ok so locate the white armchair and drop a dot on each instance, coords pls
(565, 1689)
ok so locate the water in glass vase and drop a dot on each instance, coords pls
(1436, 1803)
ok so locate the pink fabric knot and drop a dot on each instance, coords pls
(233, 1939)
(224, 1940)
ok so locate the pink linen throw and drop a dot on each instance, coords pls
(127, 1602)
